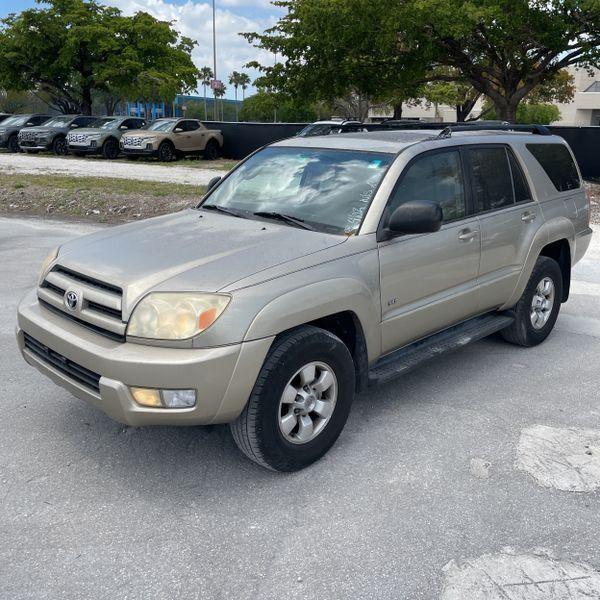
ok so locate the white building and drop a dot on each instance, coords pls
(583, 110)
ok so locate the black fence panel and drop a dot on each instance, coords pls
(585, 143)
(241, 139)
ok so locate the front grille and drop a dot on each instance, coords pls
(132, 142)
(77, 138)
(27, 136)
(99, 304)
(67, 367)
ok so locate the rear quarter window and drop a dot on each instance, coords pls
(557, 162)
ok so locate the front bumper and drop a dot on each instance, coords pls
(223, 377)
(34, 145)
(138, 151)
(87, 149)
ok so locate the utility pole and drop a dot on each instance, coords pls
(215, 57)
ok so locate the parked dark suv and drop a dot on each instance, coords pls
(10, 128)
(53, 134)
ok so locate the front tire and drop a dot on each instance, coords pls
(13, 144)
(537, 309)
(300, 402)
(166, 152)
(59, 146)
(110, 149)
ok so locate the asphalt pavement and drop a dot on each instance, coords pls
(435, 489)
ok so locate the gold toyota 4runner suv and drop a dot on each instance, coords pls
(317, 268)
(168, 139)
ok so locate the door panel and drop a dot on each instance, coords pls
(509, 219)
(428, 281)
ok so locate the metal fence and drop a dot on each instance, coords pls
(243, 138)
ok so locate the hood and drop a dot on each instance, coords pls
(191, 250)
(146, 133)
(94, 130)
(38, 130)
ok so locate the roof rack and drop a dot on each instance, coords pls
(535, 129)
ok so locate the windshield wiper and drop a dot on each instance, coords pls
(222, 209)
(285, 218)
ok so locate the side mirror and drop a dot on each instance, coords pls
(212, 183)
(417, 216)
(123, 128)
(74, 126)
(177, 130)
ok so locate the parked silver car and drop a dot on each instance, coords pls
(11, 126)
(316, 268)
(52, 134)
(102, 137)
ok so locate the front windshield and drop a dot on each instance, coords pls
(161, 125)
(18, 120)
(58, 122)
(107, 123)
(325, 188)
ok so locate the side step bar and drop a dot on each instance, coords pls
(405, 359)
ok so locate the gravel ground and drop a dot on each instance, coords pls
(593, 190)
(143, 171)
(422, 497)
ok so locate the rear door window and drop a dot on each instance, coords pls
(559, 165)
(522, 193)
(491, 178)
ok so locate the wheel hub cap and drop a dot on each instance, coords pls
(307, 403)
(542, 303)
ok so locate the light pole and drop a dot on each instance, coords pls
(215, 56)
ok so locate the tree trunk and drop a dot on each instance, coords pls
(397, 111)
(86, 100)
(506, 110)
(205, 107)
(236, 104)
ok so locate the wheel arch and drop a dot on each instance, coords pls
(560, 251)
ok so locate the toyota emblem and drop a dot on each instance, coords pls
(71, 300)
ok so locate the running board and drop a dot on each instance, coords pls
(401, 361)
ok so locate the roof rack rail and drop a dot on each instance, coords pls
(535, 129)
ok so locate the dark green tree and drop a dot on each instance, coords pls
(504, 49)
(70, 50)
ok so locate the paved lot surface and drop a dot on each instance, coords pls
(422, 497)
(48, 165)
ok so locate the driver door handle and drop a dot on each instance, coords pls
(528, 216)
(466, 235)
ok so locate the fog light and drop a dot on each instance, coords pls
(179, 398)
(149, 146)
(164, 398)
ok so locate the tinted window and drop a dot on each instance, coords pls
(522, 193)
(83, 121)
(190, 125)
(38, 120)
(492, 181)
(558, 163)
(435, 177)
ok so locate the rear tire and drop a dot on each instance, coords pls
(308, 375)
(59, 146)
(537, 309)
(110, 149)
(166, 152)
(211, 150)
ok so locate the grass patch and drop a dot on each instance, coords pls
(94, 198)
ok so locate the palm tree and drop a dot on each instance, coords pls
(234, 80)
(219, 93)
(244, 80)
(206, 75)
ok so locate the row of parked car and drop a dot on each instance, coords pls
(112, 136)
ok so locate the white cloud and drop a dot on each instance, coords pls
(194, 19)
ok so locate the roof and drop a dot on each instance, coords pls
(395, 141)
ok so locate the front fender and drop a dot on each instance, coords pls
(317, 300)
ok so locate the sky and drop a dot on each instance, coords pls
(193, 18)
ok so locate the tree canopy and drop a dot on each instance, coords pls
(503, 49)
(70, 50)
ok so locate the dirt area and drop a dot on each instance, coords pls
(189, 172)
(593, 190)
(91, 198)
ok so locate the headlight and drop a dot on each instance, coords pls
(175, 316)
(48, 261)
